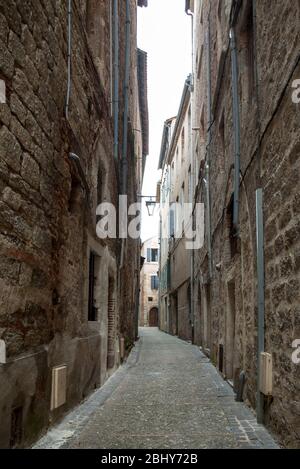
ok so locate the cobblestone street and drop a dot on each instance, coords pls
(167, 395)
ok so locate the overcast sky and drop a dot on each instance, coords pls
(164, 32)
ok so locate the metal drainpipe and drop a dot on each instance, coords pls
(192, 258)
(69, 59)
(209, 136)
(237, 132)
(261, 298)
(116, 78)
(126, 100)
(111, 56)
(260, 249)
(124, 162)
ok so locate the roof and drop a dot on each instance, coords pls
(167, 146)
(143, 99)
(165, 141)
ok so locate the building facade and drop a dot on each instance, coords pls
(175, 191)
(149, 284)
(245, 170)
(73, 129)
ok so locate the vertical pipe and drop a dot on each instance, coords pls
(116, 78)
(126, 100)
(260, 297)
(124, 161)
(111, 55)
(236, 125)
(69, 59)
(209, 137)
(192, 181)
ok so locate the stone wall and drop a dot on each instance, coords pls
(268, 57)
(48, 218)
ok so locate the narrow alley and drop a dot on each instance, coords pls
(149, 225)
(168, 395)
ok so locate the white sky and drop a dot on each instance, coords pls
(164, 32)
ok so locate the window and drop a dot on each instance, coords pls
(182, 145)
(190, 185)
(150, 299)
(92, 310)
(154, 282)
(172, 221)
(182, 206)
(152, 255)
(231, 229)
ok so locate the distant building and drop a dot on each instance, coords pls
(149, 284)
(175, 188)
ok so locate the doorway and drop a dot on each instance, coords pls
(206, 317)
(153, 317)
(111, 324)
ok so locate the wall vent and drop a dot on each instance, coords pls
(266, 373)
(59, 386)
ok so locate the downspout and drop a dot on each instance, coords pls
(124, 166)
(116, 78)
(209, 137)
(111, 56)
(69, 59)
(124, 161)
(192, 257)
(260, 299)
(260, 249)
(237, 132)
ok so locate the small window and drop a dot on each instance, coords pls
(154, 282)
(152, 255)
(182, 144)
(172, 221)
(231, 229)
(92, 310)
(150, 298)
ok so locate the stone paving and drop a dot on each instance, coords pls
(167, 396)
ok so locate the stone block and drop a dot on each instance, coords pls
(18, 108)
(7, 65)
(30, 171)
(10, 149)
(21, 134)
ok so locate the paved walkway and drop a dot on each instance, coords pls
(168, 395)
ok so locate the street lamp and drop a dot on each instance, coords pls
(150, 204)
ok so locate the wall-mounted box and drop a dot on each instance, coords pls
(266, 373)
(2, 352)
(59, 386)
